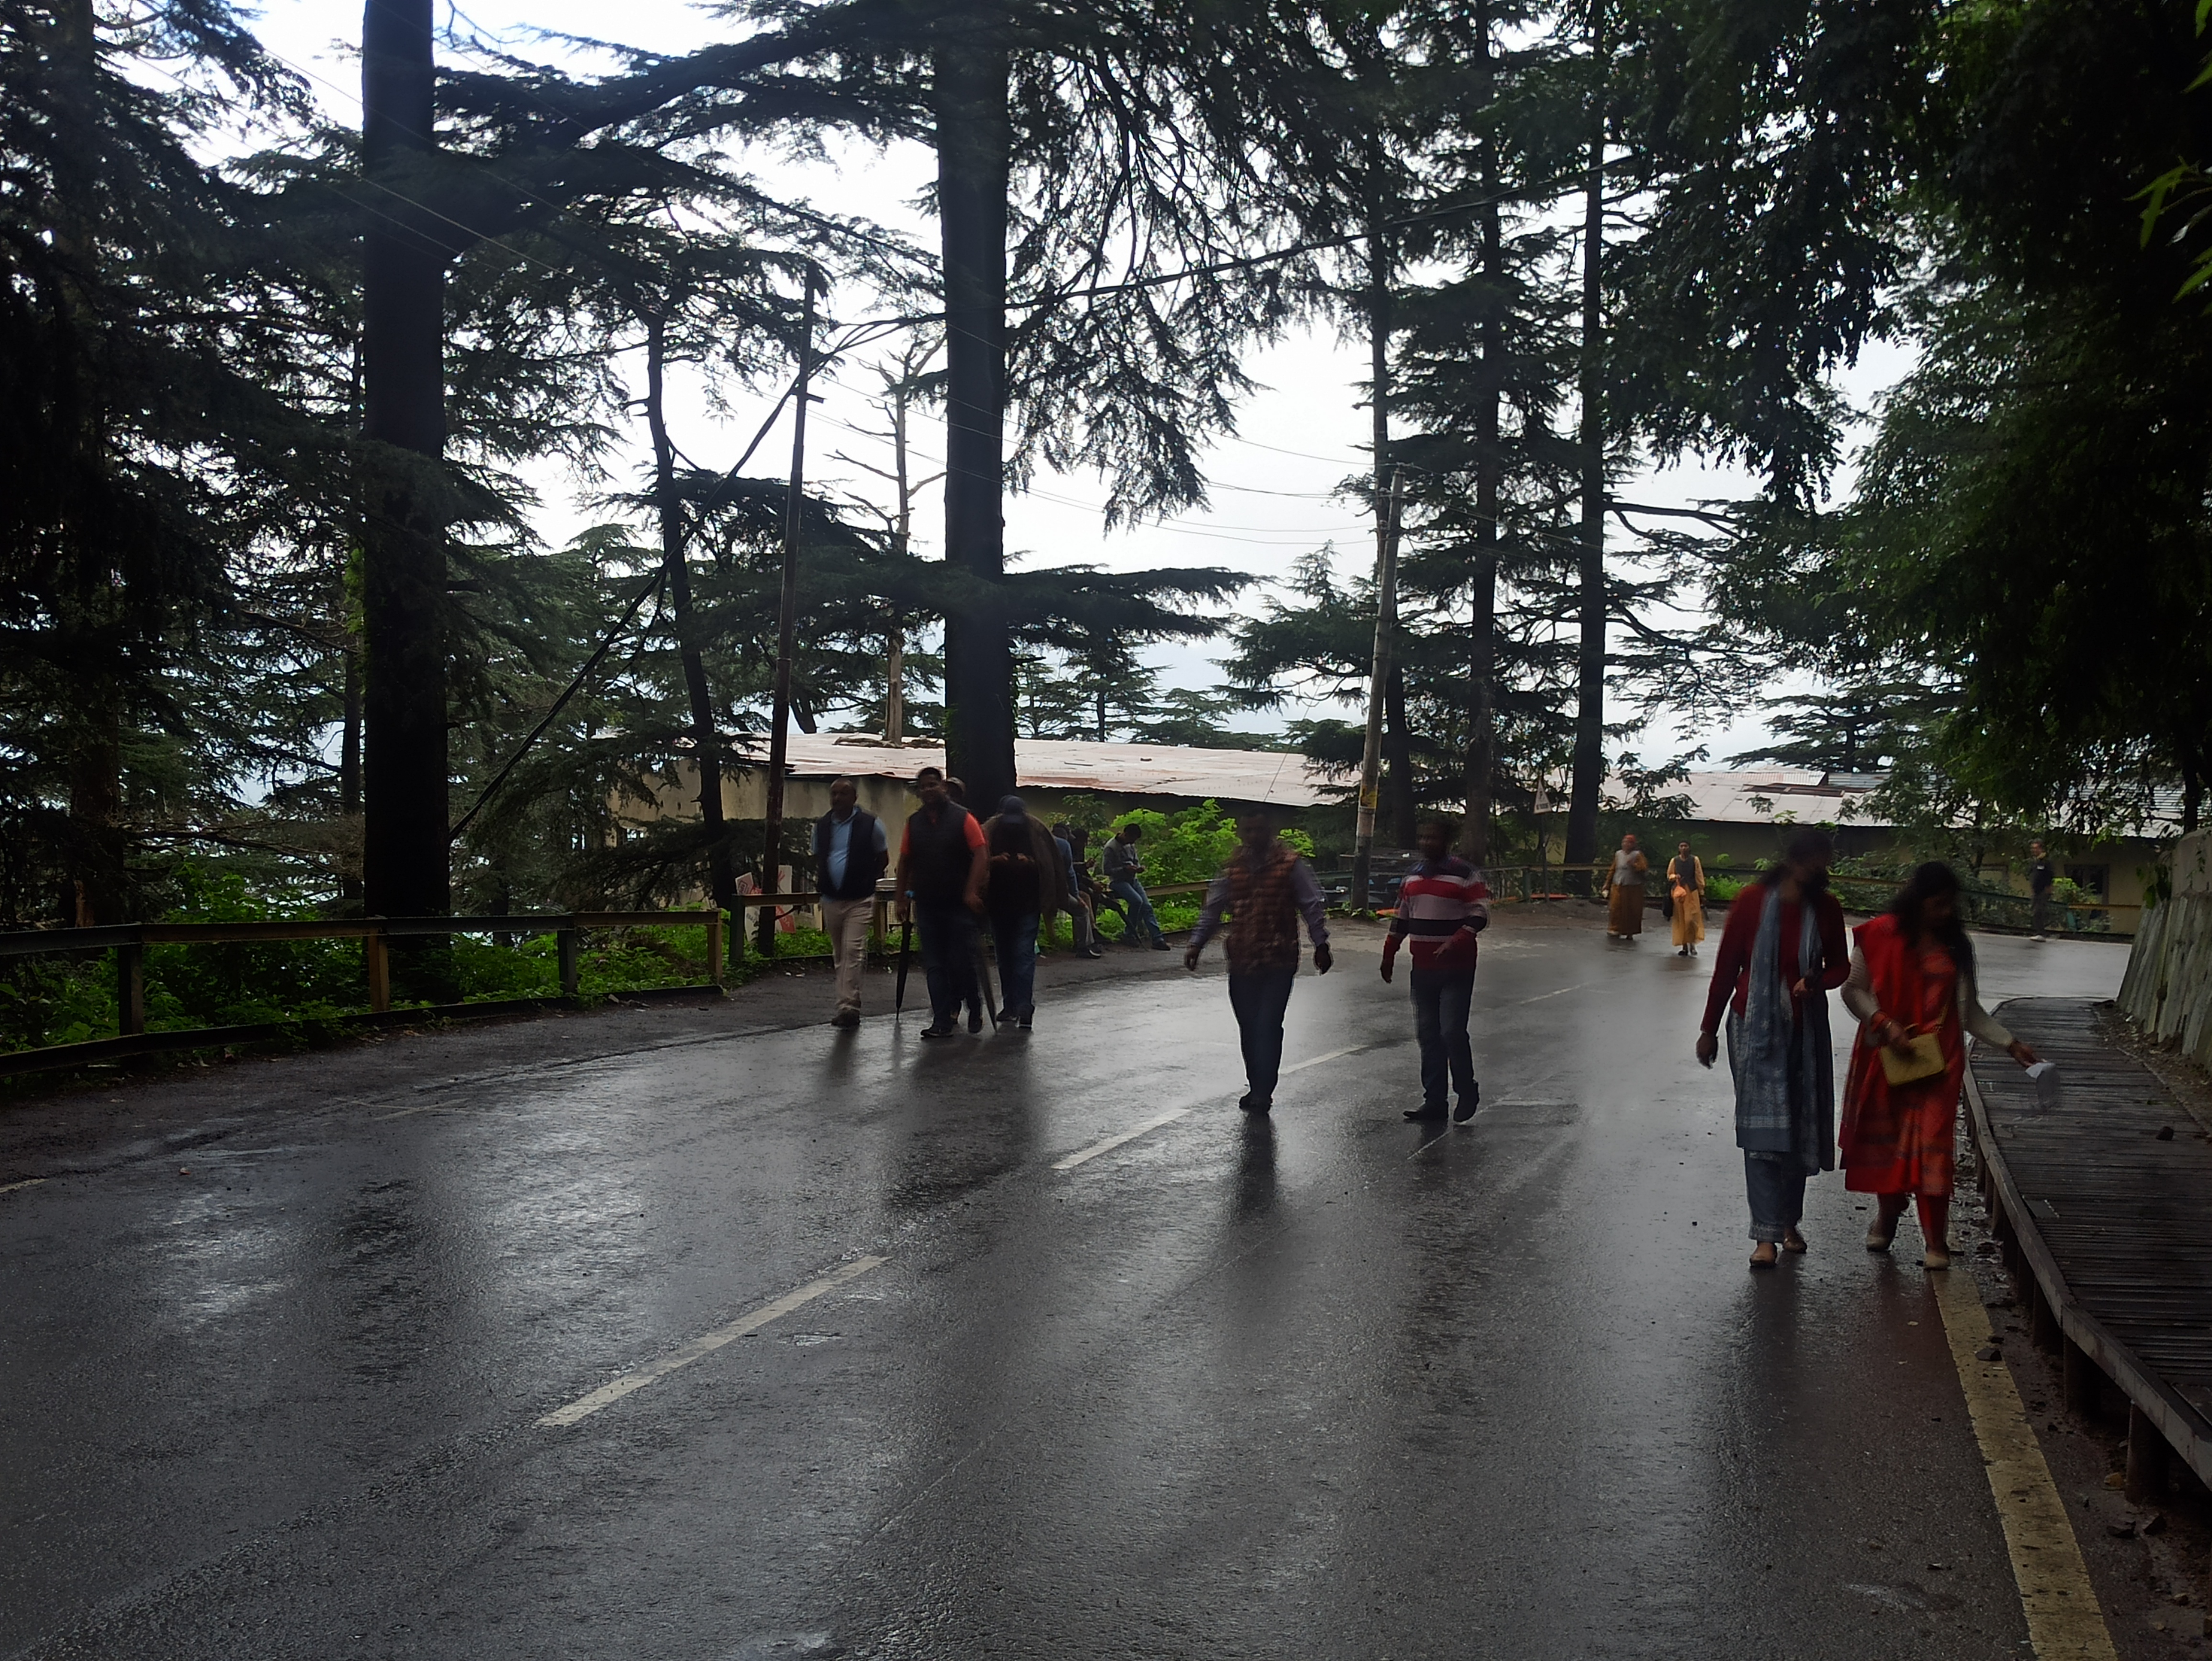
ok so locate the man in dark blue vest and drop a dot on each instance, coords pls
(849, 855)
(942, 866)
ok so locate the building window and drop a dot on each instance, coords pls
(2090, 879)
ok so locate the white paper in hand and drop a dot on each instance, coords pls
(2044, 1076)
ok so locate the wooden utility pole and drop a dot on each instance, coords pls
(1386, 534)
(1489, 481)
(1589, 701)
(787, 623)
(706, 737)
(1378, 683)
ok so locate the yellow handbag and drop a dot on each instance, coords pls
(1923, 1059)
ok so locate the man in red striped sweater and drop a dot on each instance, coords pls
(1445, 904)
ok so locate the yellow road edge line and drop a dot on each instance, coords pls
(27, 1182)
(607, 1395)
(2063, 1619)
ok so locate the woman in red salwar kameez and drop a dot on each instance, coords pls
(1912, 972)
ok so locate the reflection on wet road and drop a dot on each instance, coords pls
(1133, 1375)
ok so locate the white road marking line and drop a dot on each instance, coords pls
(606, 1395)
(1315, 1061)
(1115, 1141)
(1540, 996)
(1083, 1156)
(27, 1182)
(2054, 1591)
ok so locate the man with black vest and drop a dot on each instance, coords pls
(942, 865)
(849, 854)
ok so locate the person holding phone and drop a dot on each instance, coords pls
(1912, 986)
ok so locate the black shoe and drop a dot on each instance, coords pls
(1094, 953)
(975, 1018)
(1252, 1103)
(1427, 1112)
(845, 1017)
(1160, 945)
(939, 1032)
(1467, 1103)
(1027, 1017)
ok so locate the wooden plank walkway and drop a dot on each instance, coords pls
(2108, 1225)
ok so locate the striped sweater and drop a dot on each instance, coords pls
(1445, 904)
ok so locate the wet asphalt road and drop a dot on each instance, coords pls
(1330, 1386)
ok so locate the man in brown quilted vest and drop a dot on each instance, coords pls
(1264, 889)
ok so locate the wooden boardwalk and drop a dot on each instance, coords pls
(2103, 1204)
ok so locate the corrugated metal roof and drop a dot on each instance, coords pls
(1156, 769)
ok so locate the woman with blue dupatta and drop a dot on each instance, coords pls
(1782, 950)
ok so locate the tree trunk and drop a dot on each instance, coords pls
(349, 761)
(895, 674)
(706, 741)
(1489, 490)
(1400, 808)
(970, 72)
(1589, 701)
(93, 733)
(405, 862)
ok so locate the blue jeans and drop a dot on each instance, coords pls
(1015, 941)
(1136, 908)
(948, 958)
(1441, 998)
(1776, 1187)
(1259, 997)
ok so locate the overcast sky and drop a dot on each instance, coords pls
(1299, 436)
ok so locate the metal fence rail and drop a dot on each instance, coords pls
(128, 941)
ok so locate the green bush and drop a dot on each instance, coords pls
(1192, 845)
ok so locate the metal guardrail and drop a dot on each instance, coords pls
(128, 941)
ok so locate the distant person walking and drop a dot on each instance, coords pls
(1083, 922)
(1912, 988)
(1686, 895)
(1443, 906)
(1624, 891)
(1781, 952)
(849, 857)
(1121, 869)
(2042, 878)
(941, 871)
(1264, 890)
(1022, 893)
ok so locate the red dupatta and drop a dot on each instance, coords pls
(1879, 1149)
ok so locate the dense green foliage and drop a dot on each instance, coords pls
(2009, 608)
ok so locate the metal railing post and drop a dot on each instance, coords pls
(378, 956)
(568, 941)
(130, 988)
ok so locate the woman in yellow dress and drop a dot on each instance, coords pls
(1685, 887)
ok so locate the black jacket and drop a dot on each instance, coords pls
(863, 863)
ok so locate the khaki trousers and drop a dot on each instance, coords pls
(847, 922)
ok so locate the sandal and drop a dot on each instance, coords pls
(1763, 1255)
(1878, 1237)
(1793, 1241)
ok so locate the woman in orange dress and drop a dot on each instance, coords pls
(1912, 973)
